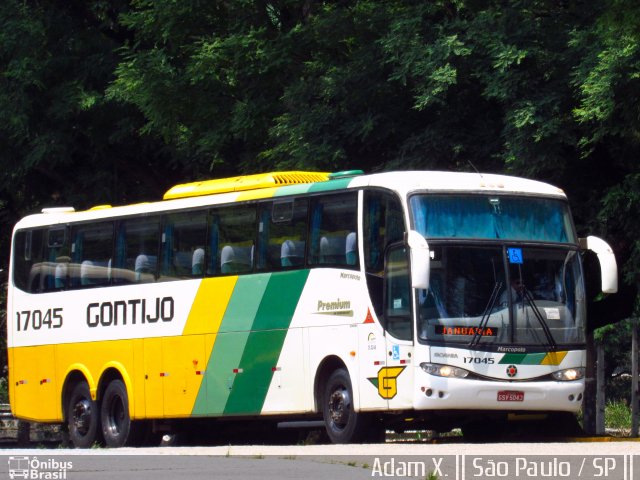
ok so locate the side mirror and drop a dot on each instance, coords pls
(608, 265)
(420, 259)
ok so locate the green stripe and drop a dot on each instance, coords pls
(229, 344)
(280, 300)
(244, 303)
(219, 376)
(251, 336)
(292, 190)
(265, 342)
(523, 358)
(250, 387)
(327, 186)
(533, 359)
(514, 358)
(337, 184)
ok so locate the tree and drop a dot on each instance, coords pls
(61, 139)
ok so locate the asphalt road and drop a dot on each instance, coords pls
(619, 460)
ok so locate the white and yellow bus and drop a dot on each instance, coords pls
(370, 301)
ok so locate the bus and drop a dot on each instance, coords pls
(415, 299)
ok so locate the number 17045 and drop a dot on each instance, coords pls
(37, 319)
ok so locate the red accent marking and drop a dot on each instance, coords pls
(369, 318)
(164, 374)
(237, 370)
(378, 362)
(199, 372)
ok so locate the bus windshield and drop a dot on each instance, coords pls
(492, 217)
(503, 295)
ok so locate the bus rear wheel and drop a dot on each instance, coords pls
(82, 417)
(114, 415)
(342, 422)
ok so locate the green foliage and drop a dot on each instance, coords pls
(620, 209)
(616, 340)
(617, 415)
(61, 137)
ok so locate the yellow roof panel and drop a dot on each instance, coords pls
(244, 182)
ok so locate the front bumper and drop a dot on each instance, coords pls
(439, 393)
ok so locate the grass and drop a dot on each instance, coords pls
(617, 415)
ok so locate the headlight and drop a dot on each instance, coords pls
(569, 374)
(444, 370)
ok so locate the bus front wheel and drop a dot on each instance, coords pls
(82, 416)
(342, 422)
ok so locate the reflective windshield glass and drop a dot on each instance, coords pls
(492, 217)
(504, 296)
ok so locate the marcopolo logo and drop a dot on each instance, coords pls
(37, 469)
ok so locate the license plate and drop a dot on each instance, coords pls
(510, 396)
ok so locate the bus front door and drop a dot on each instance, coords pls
(397, 380)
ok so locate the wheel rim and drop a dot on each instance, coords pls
(82, 414)
(339, 407)
(115, 416)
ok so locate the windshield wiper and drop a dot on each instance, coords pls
(485, 315)
(543, 323)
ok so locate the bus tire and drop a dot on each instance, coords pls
(342, 422)
(82, 417)
(114, 415)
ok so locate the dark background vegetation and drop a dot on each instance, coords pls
(112, 102)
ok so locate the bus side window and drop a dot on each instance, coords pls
(28, 260)
(91, 252)
(332, 230)
(282, 234)
(236, 238)
(59, 258)
(184, 238)
(137, 250)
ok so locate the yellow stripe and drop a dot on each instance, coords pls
(257, 194)
(185, 366)
(553, 358)
(209, 305)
